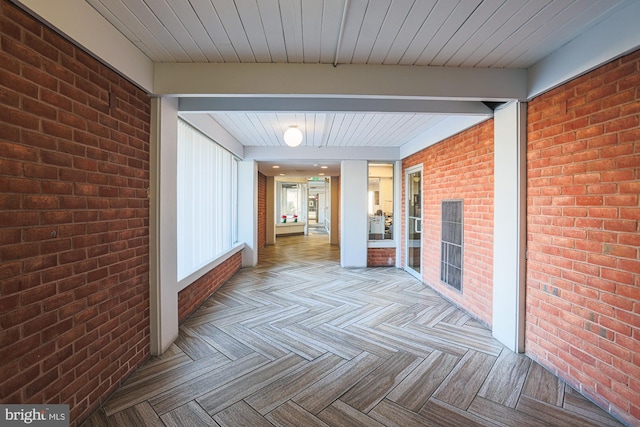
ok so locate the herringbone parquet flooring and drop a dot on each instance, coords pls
(299, 341)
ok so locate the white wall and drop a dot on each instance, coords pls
(353, 213)
(248, 211)
(509, 235)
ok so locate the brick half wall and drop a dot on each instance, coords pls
(192, 297)
(381, 257)
(583, 270)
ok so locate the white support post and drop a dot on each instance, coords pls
(163, 276)
(248, 211)
(509, 235)
(353, 213)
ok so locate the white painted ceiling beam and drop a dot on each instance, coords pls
(354, 80)
(361, 105)
(282, 154)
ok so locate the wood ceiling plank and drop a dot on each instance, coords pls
(153, 24)
(468, 30)
(488, 28)
(272, 26)
(374, 17)
(193, 25)
(389, 30)
(254, 28)
(354, 21)
(231, 22)
(429, 29)
(331, 18)
(451, 26)
(559, 30)
(312, 20)
(126, 22)
(410, 27)
(510, 33)
(505, 31)
(181, 24)
(521, 40)
(213, 26)
(291, 11)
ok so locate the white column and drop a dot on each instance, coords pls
(353, 213)
(248, 211)
(163, 275)
(509, 231)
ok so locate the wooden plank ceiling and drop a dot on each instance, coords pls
(450, 33)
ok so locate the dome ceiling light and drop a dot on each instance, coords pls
(293, 136)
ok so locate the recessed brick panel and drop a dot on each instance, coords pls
(74, 260)
(262, 210)
(460, 167)
(583, 273)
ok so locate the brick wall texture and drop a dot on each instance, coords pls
(74, 236)
(461, 167)
(381, 257)
(191, 297)
(583, 273)
(262, 210)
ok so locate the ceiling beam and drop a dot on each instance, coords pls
(325, 153)
(349, 80)
(306, 104)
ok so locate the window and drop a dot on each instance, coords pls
(451, 244)
(291, 198)
(207, 200)
(380, 201)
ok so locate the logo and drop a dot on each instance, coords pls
(34, 415)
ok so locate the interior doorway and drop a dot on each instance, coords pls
(413, 221)
(319, 205)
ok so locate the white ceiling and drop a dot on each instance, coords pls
(449, 33)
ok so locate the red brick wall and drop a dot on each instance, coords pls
(381, 257)
(74, 173)
(191, 297)
(262, 210)
(461, 167)
(583, 273)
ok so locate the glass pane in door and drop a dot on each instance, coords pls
(414, 221)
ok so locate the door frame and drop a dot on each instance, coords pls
(407, 172)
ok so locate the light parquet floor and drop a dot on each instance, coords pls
(300, 341)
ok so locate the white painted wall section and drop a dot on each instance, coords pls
(353, 213)
(248, 211)
(509, 235)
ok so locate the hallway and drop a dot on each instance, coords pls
(299, 341)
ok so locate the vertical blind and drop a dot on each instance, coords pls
(207, 200)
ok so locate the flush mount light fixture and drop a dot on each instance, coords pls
(293, 136)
